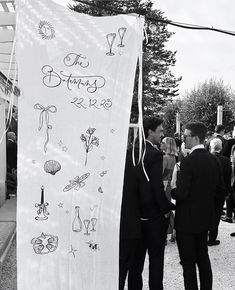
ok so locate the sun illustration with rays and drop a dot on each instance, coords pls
(46, 30)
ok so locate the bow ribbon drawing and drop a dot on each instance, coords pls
(44, 114)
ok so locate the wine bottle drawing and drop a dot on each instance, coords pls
(77, 222)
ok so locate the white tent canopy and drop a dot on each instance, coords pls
(7, 32)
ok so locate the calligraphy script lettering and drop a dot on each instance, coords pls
(72, 59)
(82, 103)
(53, 79)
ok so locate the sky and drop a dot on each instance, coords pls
(201, 55)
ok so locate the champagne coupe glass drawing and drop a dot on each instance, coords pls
(121, 32)
(93, 223)
(110, 39)
(86, 224)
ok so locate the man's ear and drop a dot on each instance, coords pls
(150, 132)
(197, 139)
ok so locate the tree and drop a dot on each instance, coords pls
(159, 84)
(200, 104)
(169, 116)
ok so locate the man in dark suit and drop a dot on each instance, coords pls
(219, 132)
(228, 146)
(154, 211)
(199, 190)
(215, 149)
(130, 224)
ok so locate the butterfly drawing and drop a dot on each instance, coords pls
(77, 182)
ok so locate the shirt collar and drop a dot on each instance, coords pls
(199, 146)
(149, 142)
(155, 146)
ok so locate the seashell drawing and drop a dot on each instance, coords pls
(52, 166)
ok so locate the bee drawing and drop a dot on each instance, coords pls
(92, 245)
(77, 182)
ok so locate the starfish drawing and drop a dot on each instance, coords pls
(64, 148)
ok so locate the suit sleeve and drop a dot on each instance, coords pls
(184, 181)
(156, 182)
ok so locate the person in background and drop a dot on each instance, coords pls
(178, 141)
(11, 157)
(228, 145)
(199, 188)
(215, 149)
(154, 208)
(219, 132)
(11, 151)
(230, 199)
(184, 152)
(168, 146)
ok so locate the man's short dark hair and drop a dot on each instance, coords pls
(197, 129)
(151, 123)
(219, 128)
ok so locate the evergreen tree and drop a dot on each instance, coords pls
(159, 84)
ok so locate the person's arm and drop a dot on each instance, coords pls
(156, 182)
(184, 181)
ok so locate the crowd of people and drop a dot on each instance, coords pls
(179, 188)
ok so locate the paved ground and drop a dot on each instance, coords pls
(8, 277)
(222, 259)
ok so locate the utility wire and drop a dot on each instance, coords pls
(173, 23)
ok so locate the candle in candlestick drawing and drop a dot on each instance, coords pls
(42, 213)
(42, 194)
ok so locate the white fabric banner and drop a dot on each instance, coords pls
(76, 75)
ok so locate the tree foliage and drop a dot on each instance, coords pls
(169, 116)
(159, 84)
(200, 104)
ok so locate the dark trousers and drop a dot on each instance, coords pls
(193, 251)
(214, 233)
(127, 252)
(229, 206)
(154, 236)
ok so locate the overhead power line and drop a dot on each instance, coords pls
(173, 23)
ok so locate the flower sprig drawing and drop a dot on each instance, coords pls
(89, 141)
